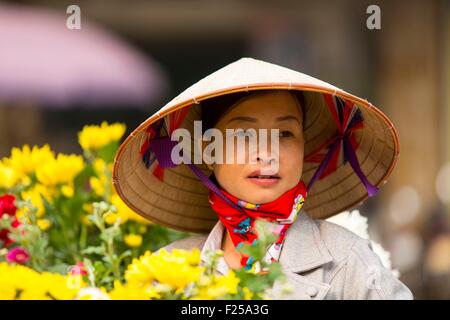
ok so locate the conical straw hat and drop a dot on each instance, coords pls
(175, 197)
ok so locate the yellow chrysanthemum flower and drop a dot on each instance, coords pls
(61, 170)
(44, 224)
(85, 220)
(75, 281)
(125, 213)
(176, 269)
(94, 137)
(27, 284)
(100, 166)
(27, 160)
(25, 180)
(68, 190)
(131, 292)
(97, 185)
(142, 229)
(56, 286)
(34, 195)
(84, 217)
(138, 271)
(248, 294)
(228, 282)
(8, 293)
(217, 287)
(88, 207)
(133, 240)
(8, 176)
(110, 217)
(102, 182)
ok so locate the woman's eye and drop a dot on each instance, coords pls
(286, 133)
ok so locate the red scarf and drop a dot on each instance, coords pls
(282, 212)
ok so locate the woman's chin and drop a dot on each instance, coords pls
(261, 194)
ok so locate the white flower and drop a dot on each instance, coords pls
(92, 293)
(353, 221)
(357, 223)
(385, 257)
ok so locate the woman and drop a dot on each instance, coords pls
(312, 134)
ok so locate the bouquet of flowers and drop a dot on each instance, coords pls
(66, 234)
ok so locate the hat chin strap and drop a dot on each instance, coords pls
(350, 155)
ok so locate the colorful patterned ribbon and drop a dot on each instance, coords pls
(348, 118)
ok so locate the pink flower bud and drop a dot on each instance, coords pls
(18, 255)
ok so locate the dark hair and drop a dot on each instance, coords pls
(213, 109)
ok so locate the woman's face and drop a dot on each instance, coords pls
(266, 110)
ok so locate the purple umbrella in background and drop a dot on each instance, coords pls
(45, 63)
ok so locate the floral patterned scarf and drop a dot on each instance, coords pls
(239, 216)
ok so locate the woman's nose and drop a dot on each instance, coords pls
(265, 159)
(268, 163)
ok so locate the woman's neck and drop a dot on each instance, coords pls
(231, 254)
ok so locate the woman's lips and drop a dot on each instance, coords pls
(264, 182)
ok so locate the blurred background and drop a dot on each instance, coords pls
(131, 57)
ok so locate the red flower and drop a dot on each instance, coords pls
(7, 207)
(18, 255)
(78, 269)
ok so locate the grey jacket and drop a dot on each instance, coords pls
(322, 260)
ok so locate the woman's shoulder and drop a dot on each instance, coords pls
(188, 243)
(338, 239)
(357, 267)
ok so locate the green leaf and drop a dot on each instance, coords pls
(108, 152)
(100, 250)
(61, 268)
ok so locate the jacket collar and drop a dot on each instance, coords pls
(303, 248)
